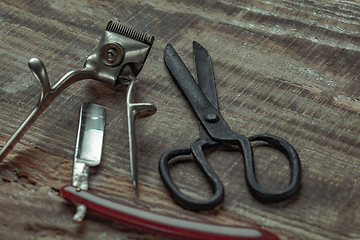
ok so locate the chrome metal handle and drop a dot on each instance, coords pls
(47, 95)
(135, 111)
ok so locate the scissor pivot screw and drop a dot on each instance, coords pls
(211, 118)
(112, 54)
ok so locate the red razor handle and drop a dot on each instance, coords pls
(169, 226)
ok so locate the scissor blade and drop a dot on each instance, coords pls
(205, 73)
(209, 116)
(184, 79)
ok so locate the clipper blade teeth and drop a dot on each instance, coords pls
(129, 32)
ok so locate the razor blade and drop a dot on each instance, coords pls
(88, 149)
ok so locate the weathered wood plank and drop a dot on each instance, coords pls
(281, 67)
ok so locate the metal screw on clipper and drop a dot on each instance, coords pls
(118, 58)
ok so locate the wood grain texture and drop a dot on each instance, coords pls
(287, 68)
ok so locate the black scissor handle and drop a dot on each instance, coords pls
(295, 169)
(255, 188)
(181, 199)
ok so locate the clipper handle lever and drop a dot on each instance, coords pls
(135, 111)
(39, 71)
(47, 95)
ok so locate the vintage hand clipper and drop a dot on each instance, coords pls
(118, 59)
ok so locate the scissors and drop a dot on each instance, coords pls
(214, 130)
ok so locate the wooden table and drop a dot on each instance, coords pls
(287, 68)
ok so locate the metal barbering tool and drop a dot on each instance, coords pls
(118, 59)
(88, 149)
(88, 153)
(213, 131)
